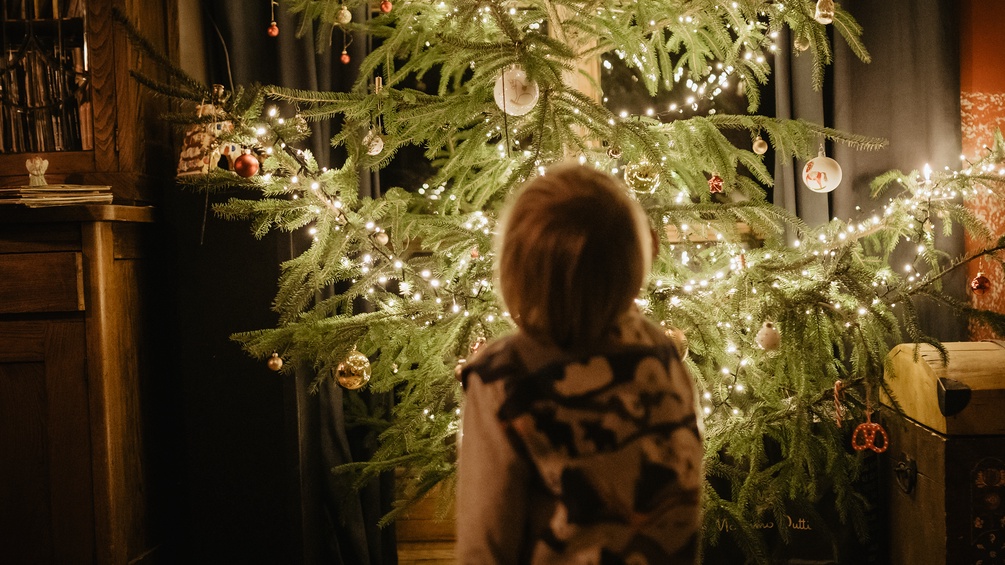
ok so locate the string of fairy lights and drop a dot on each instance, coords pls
(396, 280)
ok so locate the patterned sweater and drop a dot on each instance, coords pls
(585, 461)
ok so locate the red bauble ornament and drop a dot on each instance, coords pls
(273, 30)
(345, 57)
(980, 284)
(386, 6)
(715, 184)
(246, 165)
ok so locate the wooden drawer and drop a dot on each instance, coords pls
(41, 282)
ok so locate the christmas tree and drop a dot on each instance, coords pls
(784, 326)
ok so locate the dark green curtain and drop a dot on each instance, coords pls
(335, 524)
(909, 94)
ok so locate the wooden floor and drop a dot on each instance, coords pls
(426, 534)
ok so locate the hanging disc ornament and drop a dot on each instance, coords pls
(275, 362)
(345, 57)
(246, 164)
(824, 13)
(980, 284)
(386, 6)
(822, 174)
(642, 177)
(273, 30)
(514, 93)
(715, 184)
(767, 337)
(344, 16)
(354, 372)
(373, 142)
(760, 146)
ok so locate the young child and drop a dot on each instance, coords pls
(580, 441)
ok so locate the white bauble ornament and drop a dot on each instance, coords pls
(824, 13)
(514, 93)
(821, 174)
(344, 16)
(767, 337)
(373, 142)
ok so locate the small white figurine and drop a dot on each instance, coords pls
(36, 170)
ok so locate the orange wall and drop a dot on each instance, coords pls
(982, 101)
(982, 46)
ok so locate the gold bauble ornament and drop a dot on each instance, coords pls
(381, 238)
(760, 146)
(354, 372)
(275, 362)
(802, 43)
(679, 339)
(642, 177)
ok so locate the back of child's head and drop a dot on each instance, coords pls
(574, 251)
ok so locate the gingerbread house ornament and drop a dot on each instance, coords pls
(202, 151)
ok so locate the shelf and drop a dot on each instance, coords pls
(85, 213)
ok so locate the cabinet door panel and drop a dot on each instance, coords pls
(25, 513)
(46, 501)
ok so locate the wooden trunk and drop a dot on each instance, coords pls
(946, 464)
(426, 533)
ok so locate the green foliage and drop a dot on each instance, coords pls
(422, 261)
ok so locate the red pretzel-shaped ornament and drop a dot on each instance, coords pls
(864, 436)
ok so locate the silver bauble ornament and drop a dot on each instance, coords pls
(354, 372)
(373, 142)
(514, 93)
(344, 16)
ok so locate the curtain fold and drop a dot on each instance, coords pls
(337, 525)
(909, 94)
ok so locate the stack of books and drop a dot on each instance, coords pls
(56, 195)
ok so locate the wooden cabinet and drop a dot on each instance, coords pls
(127, 142)
(75, 360)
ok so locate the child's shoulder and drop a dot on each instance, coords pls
(494, 361)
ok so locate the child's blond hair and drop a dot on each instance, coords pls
(574, 250)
